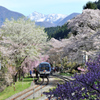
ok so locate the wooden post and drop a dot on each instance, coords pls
(14, 85)
(0, 65)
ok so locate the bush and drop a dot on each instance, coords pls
(74, 71)
(72, 67)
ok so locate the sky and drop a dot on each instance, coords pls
(27, 7)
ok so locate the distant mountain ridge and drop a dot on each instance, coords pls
(51, 20)
(5, 13)
(45, 24)
(71, 16)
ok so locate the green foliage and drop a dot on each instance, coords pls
(0, 37)
(72, 67)
(64, 60)
(90, 5)
(51, 30)
(69, 35)
(74, 71)
(66, 74)
(19, 86)
(3, 61)
(0, 54)
(58, 32)
(61, 33)
(98, 4)
(69, 64)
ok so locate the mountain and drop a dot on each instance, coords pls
(5, 13)
(69, 17)
(52, 18)
(45, 24)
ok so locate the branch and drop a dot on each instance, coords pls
(89, 86)
(21, 63)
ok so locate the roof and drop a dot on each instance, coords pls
(44, 63)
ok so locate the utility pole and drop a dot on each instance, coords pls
(61, 54)
(0, 65)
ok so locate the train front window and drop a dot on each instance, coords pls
(44, 67)
(47, 68)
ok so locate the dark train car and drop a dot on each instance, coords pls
(44, 69)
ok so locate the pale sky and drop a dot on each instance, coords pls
(26, 7)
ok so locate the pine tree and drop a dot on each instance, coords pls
(90, 5)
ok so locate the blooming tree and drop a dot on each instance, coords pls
(21, 39)
(84, 86)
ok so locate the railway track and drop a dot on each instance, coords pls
(38, 88)
(30, 92)
(65, 78)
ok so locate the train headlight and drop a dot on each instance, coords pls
(44, 71)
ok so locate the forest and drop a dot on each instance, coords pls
(58, 32)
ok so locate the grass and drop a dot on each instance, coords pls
(66, 74)
(19, 86)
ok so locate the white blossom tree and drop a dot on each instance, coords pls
(21, 38)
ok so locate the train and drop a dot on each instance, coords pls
(44, 69)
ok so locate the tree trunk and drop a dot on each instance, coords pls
(23, 74)
(19, 74)
(16, 77)
(20, 69)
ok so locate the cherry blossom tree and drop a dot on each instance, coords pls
(21, 39)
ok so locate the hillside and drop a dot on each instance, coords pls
(59, 32)
(5, 13)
